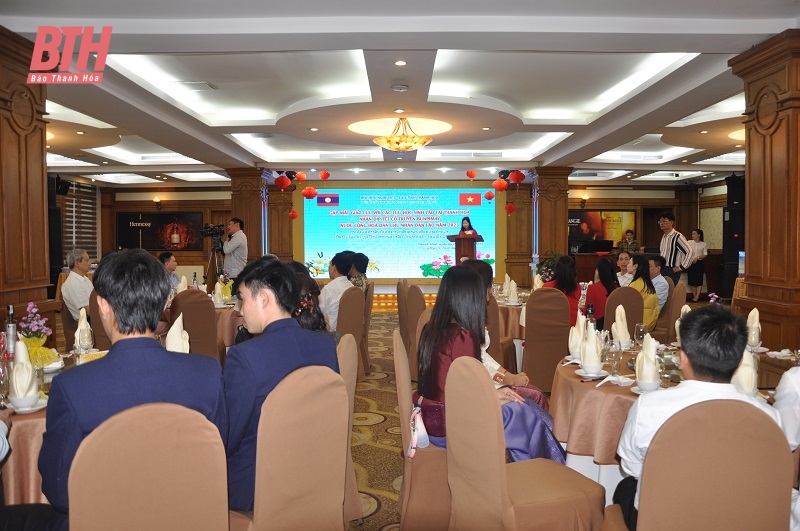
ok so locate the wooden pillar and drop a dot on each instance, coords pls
(687, 210)
(108, 221)
(550, 211)
(280, 224)
(771, 74)
(519, 235)
(247, 205)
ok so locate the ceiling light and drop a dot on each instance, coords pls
(48, 147)
(443, 170)
(403, 138)
(105, 162)
(92, 179)
(399, 158)
(684, 160)
(737, 146)
(703, 132)
(739, 134)
(356, 170)
(400, 88)
(400, 63)
(399, 170)
(314, 129)
(486, 128)
(164, 178)
(80, 132)
(313, 169)
(399, 111)
(49, 135)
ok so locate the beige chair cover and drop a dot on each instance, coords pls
(503, 352)
(424, 496)
(674, 312)
(486, 492)
(631, 300)
(301, 454)
(347, 353)
(415, 305)
(155, 467)
(199, 321)
(69, 325)
(101, 339)
(351, 321)
(363, 345)
(402, 310)
(546, 336)
(720, 464)
(660, 331)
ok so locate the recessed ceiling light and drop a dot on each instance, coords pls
(703, 132)
(399, 170)
(48, 147)
(158, 176)
(443, 170)
(80, 132)
(399, 158)
(92, 180)
(400, 63)
(684, 160)
(630, 176)
(486, 128)
(105, 162)
(737, 146)
(313, 169)
(313, 129)
(49, 135)
(356, 170)
(399, 111)
(635, 174)
(164, 178)
(400, 88)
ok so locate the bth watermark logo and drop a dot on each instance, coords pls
(46, 55)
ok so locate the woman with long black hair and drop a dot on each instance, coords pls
(640, 269)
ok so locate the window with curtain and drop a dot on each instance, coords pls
(79, 219)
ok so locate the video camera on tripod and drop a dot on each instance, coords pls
(214, 232)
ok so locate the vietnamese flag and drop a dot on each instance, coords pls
(469, 199)
(328, 200)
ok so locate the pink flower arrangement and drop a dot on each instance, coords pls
(33, 324)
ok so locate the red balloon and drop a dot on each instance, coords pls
(472, 174)
(300, 176)
(282, 182)
(510, 208)
(293, 214)
(309, 192)
(489, 195)
(324, 175)
(500, 185)
(516, 176)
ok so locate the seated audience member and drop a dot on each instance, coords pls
(457, 328)
(358, 273)
(269, 293)
(656, 263)
(132, 289)
(628, 244)
(639, 268)
(169, 261)
(76, 289)
(501, 376)
(566, 281)
(307, 313)
(605, 281)
(623, 277)
(332, 293)
(712, 342)
(787, 403)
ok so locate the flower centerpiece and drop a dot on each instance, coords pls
(713, 298)
(227, 283)
(34, 331)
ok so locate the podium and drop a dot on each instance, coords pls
(465, 245)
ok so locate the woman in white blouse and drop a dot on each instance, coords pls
(697, 269)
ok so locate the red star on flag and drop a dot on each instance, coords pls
(469, 199)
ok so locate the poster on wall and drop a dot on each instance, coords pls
(600, 224)
(157, 231)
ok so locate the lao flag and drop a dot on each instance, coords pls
(469, 199)
(330, 200)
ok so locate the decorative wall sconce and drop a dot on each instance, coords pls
(583, 200)
(157, 201)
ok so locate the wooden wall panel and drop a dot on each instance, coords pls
(279, 225)
(519, 236)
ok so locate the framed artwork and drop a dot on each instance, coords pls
(157, 231)
(600, 224)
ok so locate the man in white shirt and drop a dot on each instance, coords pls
(712, 342)
(76, 289)
(235, 248)
(625, 278)
(677, 253)
(659, 282)
(332, 293)
(787, 403)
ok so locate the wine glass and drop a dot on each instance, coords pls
(614, 356)
(4, 368)
(85, 340)
(639, 333)
(753, 338)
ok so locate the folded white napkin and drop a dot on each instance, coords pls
(575, 341)
(217, 298)
(622, 381)
(684, 310)
(746, 376)
(537, 282)
(506, 284)
(752, 319)
(646, 364)
(21, 353)
(202, 287)
(619, 330)
(182, 285)
(512, 296)
(83, 323)
(23, 380)
(177, 338)
(591, 348)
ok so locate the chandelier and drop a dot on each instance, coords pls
(403, 138)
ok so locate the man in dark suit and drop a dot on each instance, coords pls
(132, 288)
(269, 292)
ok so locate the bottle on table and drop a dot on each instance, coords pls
(11, 333)
(194, 280)
(590, 320)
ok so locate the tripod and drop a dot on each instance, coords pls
(216, 256)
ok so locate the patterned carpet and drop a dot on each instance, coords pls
(376, 432)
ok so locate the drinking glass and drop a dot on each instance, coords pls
(4, 369)
(662, 369)
(85, 340)
(639, 333)
(753, 338)
(614, 356)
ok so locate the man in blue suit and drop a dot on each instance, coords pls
(132, 288)
(269, 292)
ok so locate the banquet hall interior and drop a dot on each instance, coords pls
(550, 115)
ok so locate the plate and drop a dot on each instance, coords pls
(55, 366)
(635, 390)
(759, 350)
(220, 305)
(38, 406)
(601, 374)
(676, 344)
(513, 304)
(91, 351)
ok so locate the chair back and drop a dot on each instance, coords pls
(402, 309)
(676, 302)
(660, 330)
(69, 325)
(303, 427)
(493, 325)
(155, 466)
(720, 464)
(347, 353)
(739, 289)
(101, 339)
(199, 321)
(415, 305)
(351, 321)
(631, 300)
(363, 346)
(546, 336)
(476, 460)
(424, 495)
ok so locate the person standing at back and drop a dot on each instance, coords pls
(674, 248)
(235, 248)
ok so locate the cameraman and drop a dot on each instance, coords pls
(235, 248)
